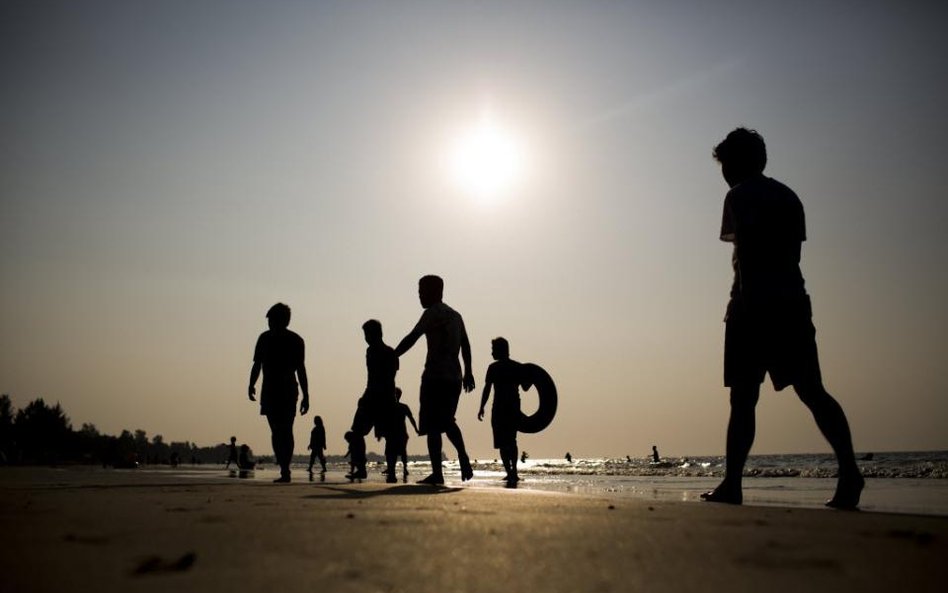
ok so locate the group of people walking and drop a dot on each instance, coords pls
(769, 330)
(280, 355)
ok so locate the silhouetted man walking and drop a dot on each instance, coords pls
(768, 323)
(280, 353)
(441, 381)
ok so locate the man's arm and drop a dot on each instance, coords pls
(254, 374)
(408, 341)
(484, 397)
(466, 358)
(411, 418)
(304, 387)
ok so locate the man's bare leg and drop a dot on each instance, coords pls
(741, 428)
(457, 439)
(434, 453)
(831, 420)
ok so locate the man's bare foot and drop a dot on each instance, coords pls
(433, 480)
(725, 494)
(466, 472)
(848, 491)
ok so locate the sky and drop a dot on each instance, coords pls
(169, 170)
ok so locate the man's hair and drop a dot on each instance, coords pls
(742, 149)
(433, 283)
(501, 345)
(279, 314)
(373, 327)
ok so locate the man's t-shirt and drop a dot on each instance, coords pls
(444, 332)
(764, 219)
(280, 353)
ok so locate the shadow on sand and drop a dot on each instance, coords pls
(406, 489)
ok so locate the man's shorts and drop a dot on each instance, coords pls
(781, 342)
(438, 403)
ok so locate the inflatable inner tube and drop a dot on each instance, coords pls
(534, 376)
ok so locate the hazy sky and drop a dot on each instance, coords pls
(170, 169)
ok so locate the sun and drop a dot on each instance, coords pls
(485, 159)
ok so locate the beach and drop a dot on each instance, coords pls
(81, 529)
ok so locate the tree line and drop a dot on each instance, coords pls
(43, 434)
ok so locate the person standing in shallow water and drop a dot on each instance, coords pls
(769, 326)
(280, 354)
(441, 381)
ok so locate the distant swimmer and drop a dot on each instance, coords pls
(655, 457)
(569, 458)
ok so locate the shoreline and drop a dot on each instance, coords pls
(106, 531)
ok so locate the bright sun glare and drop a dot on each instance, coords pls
(486, 160)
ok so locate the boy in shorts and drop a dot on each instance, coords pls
(504, 376)
(768, 323)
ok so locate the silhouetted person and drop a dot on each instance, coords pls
(441, 381)
(245, 460)
(356, 455)
(376, 406)
(569, 457)
(503, 375)
(280, 353)
(232, 452)
(523, 457)
(768, 324)
(317, 442)
(655, 457)
(396, 440)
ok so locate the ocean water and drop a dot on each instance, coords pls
(896, 482)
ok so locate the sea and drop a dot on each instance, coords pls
(914, 482)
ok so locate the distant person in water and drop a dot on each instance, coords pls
(280, 354)
(442, 380)
(396, 440)
(503, 376)
(655, 457)
(569, 457)
(317, 442)
(356, 455)
(524, 456)
(231, 452)
(769, 326)
(377, 405)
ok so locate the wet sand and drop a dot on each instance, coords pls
(93, 530)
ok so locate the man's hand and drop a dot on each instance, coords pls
(304, 406)
(468, 382)
(250, 391)
(480, 414)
